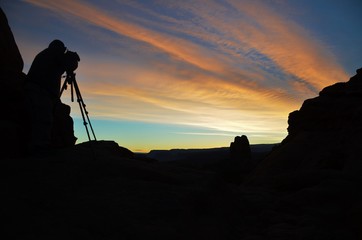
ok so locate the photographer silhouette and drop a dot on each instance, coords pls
(43, 88)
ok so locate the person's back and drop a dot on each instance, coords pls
(48, 67)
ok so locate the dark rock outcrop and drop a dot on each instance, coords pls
(11, 60)
(108, 148)
(316, 170)
(239, 163)
(324, 135)
(13, 121)
(240, 148)
(63, 133)
(336, 108)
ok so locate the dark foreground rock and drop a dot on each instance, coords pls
(100, 191)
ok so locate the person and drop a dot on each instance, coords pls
(43, 87)
(47, 69)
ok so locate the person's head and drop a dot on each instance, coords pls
(57, 46)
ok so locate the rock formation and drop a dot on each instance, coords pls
(13, 121)
(11, 59)
(316, 170)
(240, 148)
(324, 136)
(239, 163)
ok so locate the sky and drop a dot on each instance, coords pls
(168, 74)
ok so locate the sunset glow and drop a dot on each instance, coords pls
(193, 74)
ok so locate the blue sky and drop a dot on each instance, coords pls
(194, 74)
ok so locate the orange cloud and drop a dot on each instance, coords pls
(230, 86)
(177, 47)
(290, 46)
(155, 96)
(253, 26)
(194, 54)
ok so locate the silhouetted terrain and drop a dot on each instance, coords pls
(308, 187)
(258, 150)
(204, 159)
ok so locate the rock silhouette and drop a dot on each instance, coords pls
(11, 60)
(13, 121)
(62, 130)
(240, 148)
(240, 162)
(318, 165)
(323, 135)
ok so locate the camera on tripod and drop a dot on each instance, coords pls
(71, 60)
(71, 64)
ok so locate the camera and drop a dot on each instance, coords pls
(71, 60)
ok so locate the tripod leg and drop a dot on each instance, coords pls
(90, 125)
(63, 87)
(82, 112)
(71, 91)
(83, 109)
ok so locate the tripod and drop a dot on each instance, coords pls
(70, 79)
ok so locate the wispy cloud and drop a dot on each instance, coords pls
(243, 28)
(177, 47)
(291, 46)
(232, 66)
